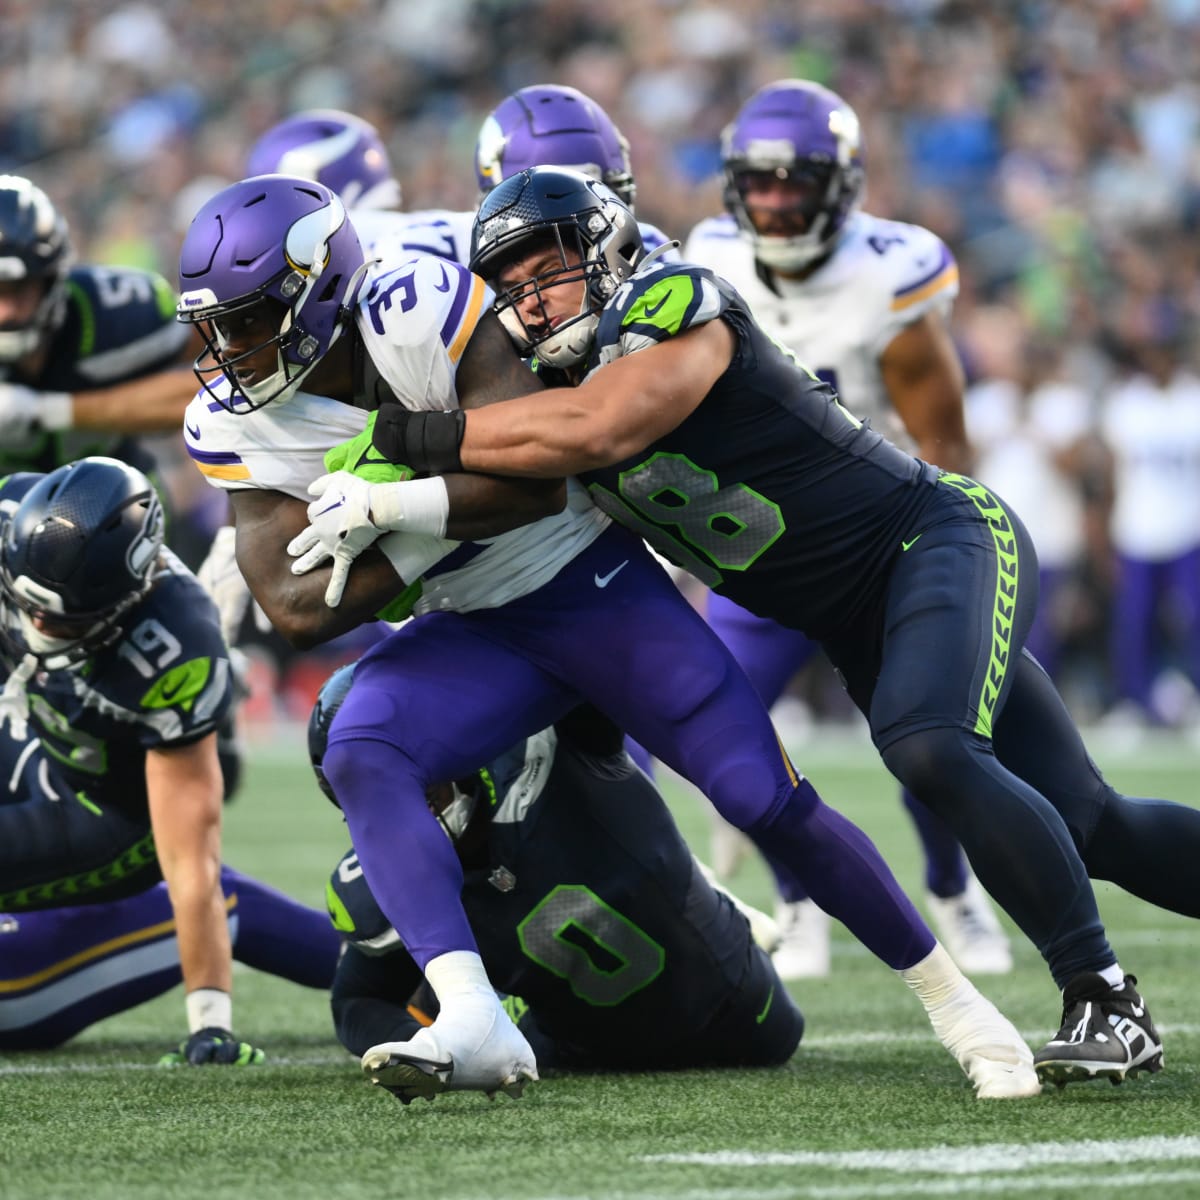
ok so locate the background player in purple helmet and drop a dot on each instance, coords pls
(863, 303)
(510, 632)
(552, 125)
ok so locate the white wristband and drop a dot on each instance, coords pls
(209, 1008)
(55, 411)
(415, 506)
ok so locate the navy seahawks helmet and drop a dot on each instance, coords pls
(78, 551)
(804, 133)
(335, 148)
(329, 699)
(276, 245)
(34, 244)
(550, 125)
(565, 208)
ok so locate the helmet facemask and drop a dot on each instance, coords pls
(270, 270)
(573, 229)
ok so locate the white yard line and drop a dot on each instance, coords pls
(993, 1157)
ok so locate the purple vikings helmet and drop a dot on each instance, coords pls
(569, 210)
(33, 245)
(273, 244)
(335, 148)
(805, 133)
(552, 126)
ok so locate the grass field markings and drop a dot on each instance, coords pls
(959, 1186)
(991, 1157)
(97, 1068)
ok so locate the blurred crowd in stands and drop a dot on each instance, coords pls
(1053, 144)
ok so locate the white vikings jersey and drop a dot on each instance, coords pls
(396, 236)
(882, 276)
(415, 321)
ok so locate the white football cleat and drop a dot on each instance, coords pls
(984, 1042)
(966, 925)
(476, 1048)
(803, 950)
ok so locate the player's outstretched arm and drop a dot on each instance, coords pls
(185, 794)
(619, 410)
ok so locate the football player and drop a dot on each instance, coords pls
(586, 904)
(863, 302)
(117, 680)
(512, 631)
(691, 426)
(90, 356)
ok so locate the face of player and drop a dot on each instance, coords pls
(245, 340)
(781, 203)
(19, 300)
(545, 288)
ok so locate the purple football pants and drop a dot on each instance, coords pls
(450, 691)
(63, 969)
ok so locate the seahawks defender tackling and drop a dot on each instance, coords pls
(694, 428)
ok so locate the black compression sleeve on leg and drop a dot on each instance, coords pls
(425, 441)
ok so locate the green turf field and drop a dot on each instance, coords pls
(870, 1106)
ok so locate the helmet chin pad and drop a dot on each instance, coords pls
(569, 344)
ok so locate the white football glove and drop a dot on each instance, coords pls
(18, 411)
(222, 579)
(340, 528)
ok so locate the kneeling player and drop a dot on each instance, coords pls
(586, 904)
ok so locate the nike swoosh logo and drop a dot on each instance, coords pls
(336, 504)
(762, 1016)
(168, 696)
(194, 434)
(650, 312)
(602, 581)
(910, 545)
(444, 286)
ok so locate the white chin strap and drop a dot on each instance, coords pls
(15, 344)
(54, 653)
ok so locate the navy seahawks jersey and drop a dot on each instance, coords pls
(120, 325)
(770, 492)
(164, 682)
(590, 908)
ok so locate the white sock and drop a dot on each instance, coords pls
(1113, 975)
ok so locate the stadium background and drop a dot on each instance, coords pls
(1052, 145)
